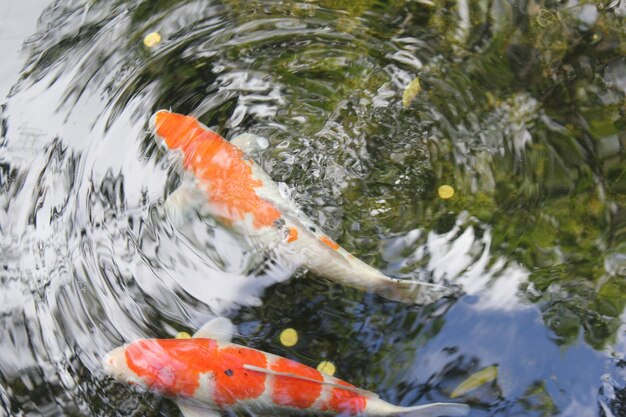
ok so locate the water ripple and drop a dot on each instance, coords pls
(520, 112)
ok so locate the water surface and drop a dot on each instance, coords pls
(521, 111)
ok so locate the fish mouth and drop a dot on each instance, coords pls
(153, 127)
(114, 363)
(152, 124)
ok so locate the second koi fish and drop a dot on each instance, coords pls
(208, 373)
(231, 187)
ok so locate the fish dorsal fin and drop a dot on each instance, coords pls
(359, 391)
(218, 328)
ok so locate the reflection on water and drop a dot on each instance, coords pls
(521, 112)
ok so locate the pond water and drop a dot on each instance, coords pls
(521, 111)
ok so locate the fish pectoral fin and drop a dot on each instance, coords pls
(250, 143)
(189, 410)
(218, 328)
(359, 391)
(184, 202)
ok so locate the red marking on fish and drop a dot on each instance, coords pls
(291, 392)
(179, 131)
(168, 367)
(174, 367)
(233, 381)
(348, 402)
(293, 235)
(221, 166)
(327, 241)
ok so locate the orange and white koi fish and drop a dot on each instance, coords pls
(207, 373)
(229, 186)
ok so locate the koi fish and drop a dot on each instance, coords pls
(208, 373)
(229, 186)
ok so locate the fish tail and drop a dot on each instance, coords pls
(435, 410)
(410, 291)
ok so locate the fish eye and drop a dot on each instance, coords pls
(229, 372)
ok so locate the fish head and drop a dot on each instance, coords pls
(146, 363)
(176, 131)
(115, 365)
(166, 366)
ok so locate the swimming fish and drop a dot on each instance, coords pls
(208, 373)
(230, 186)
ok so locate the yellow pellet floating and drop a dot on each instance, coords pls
(327, 367)
(152, 39)
(289, 337)
(445, 192)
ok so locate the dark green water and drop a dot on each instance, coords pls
(522, 111)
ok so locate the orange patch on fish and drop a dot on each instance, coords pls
(165, 366)
(228, 178)
(327, 241)
(293, 234)
(233, 381)
(179, 130)
(346, 402)
(174, 367)
(293, 392)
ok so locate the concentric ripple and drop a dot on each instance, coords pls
(520, 114)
